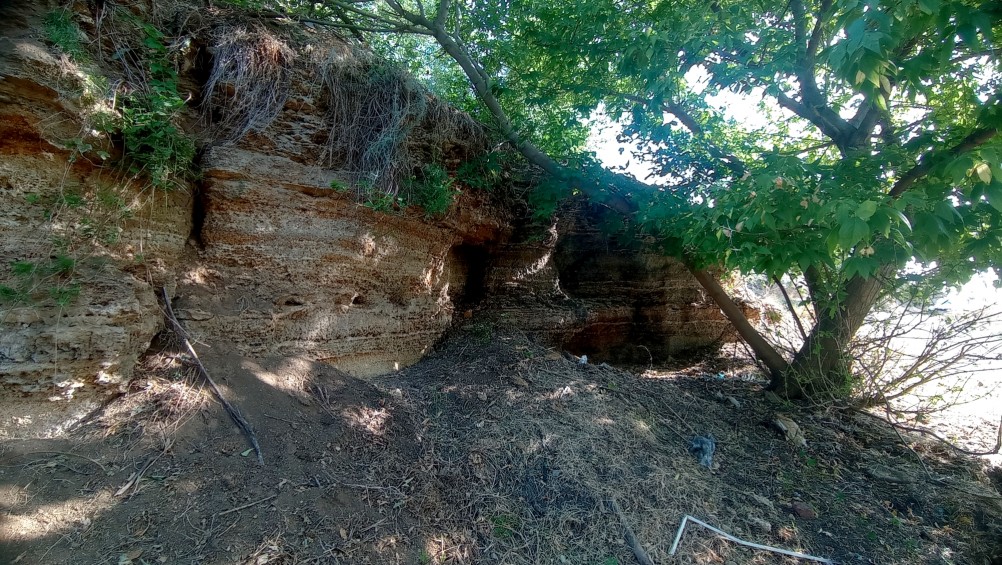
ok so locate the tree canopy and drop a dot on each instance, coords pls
(880, 150)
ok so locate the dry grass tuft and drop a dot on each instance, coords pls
(157, 405)
(384, 124)
(249, 81)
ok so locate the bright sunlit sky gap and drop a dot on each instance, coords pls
(744, 109)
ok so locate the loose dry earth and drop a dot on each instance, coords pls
(491, 450)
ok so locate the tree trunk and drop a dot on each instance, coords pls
(763, 350)
(821, 369)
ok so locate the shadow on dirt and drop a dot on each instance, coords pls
(491, 450)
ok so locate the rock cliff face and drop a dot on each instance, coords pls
(81, 250)
(585, 292)
(290, 268)
(262, 252)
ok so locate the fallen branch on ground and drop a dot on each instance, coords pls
(234, 414)
(103, 468)
(135, 478)
(631, 538)
(248, 505)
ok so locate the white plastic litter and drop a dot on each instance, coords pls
(687, 518)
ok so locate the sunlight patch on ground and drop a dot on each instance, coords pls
(55, 518)
(374, 421)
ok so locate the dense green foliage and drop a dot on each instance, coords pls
(64, 33)
(157, 147)
(433, 190)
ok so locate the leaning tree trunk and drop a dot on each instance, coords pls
(765, 352)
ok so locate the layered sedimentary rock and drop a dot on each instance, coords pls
(581, 290)
(289, 267)
(270, 250)
(81, 251)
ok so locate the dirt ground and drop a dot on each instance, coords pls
(493, 449)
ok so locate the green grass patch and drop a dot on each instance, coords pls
(63, 32)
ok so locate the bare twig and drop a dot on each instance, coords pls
(103, 468)
(887, 408)
(135, 478)
(631, 538)
(789, 304)
(234, 414)
(248, 505)
(994, 451)
(283, 420)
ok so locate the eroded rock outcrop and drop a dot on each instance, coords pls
(81, 249)
(290, 262)
(291, 268)
(270, 251)
(584, 291)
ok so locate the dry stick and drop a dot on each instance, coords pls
(681, 419)
(631, 538)
(103, 468)
(887, 408)
(248, 505)
(135, 478)
(993, 451)
(239, 420)
(284, 420)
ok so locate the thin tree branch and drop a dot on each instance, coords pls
(811, 115)
(789, 304)
(995, 450)
(735, 164)
(442, 14)
(819, 111)
(816, 34)
(974, 55)
(928, 161)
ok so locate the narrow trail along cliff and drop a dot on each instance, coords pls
(432, 374)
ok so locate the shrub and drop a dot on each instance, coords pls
(433, 190)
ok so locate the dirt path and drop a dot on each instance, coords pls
(491, 450)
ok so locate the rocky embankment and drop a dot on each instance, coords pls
(266, 246)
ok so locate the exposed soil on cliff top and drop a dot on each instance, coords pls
(491, 450)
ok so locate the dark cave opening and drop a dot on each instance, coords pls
(468, 265)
